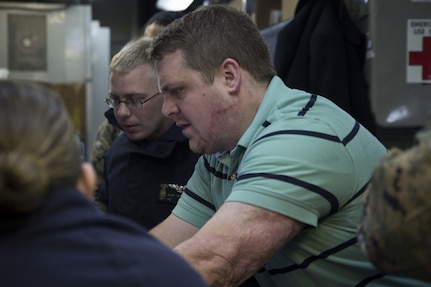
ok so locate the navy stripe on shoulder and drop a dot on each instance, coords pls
(213, 171)
(304, 133)
(352, 134)
(309, 105)
(199, 199)
(304, 264)
(333, 201)
(369, 279)
(328, 137)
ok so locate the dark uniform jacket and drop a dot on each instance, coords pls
(140, 177)
(322, 51)
(68, 242)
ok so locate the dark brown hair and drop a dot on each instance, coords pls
(211, 34)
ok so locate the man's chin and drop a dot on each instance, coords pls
(196, 148)
(134, 136)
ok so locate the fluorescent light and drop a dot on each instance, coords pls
(173, 5)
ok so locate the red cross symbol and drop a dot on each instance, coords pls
(423, 58)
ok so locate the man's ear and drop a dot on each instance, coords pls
(87, 180)
(232, 74)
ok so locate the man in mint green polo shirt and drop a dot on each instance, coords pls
(278, 193)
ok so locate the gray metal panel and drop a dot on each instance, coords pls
(56, 47)
(397, 100)
(77, 51)
(100, 58)
(78, 43)
(66, 39)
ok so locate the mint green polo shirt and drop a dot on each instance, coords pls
(307, 159)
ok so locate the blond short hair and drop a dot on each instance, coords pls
(132, 55)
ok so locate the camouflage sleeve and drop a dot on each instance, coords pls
(106, 134)
(395, 230)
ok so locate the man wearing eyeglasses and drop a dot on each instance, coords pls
(148, 165)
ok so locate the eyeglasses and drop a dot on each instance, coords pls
(133, 104)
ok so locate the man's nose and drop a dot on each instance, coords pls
(169, 108)
(123, 110)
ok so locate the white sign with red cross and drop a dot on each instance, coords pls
(419, 51)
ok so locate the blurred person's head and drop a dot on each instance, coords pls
(160, 20)
(39, 149)
(134, 93)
